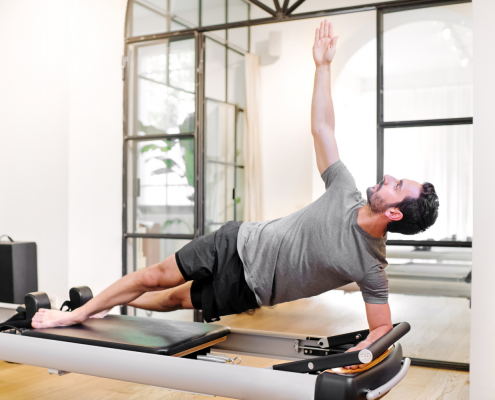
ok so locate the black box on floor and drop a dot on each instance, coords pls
(18, 271)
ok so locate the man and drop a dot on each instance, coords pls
(338, 239)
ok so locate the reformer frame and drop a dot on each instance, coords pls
(294, 380)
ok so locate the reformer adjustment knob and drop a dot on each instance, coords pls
(365, 356)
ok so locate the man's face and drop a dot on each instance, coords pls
(391, 191)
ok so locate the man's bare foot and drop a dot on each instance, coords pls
(45, 318)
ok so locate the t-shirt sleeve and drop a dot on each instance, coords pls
(374, 286)
(337, 172)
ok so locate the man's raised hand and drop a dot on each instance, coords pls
(325, 44)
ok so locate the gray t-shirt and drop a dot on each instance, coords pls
(316, 249)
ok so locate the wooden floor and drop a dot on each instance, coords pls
(440, 326)
(440, 330)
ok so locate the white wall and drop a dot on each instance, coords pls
(95, 143)
(61, 137)
(290, 177)
(482, 316)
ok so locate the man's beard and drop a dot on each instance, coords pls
(376, 204)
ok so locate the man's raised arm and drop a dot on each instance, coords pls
(322, 114)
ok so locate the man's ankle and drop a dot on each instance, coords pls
(77, 316)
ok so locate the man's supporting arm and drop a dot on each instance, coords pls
(322, 112)
(379, 321)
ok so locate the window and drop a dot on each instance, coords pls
(160, 152)
(176, 133)
(148, 17)
(224, 121)
(425, 110)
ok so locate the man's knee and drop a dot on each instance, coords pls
(165, 274)
(181, 296)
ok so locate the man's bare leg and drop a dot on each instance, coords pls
(177, 298)
(164, 275)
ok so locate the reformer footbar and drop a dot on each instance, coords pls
(145, 350)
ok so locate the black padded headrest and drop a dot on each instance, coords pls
(146, 335)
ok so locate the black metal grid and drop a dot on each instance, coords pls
(382, 125)
(282, 14)
(197, 135)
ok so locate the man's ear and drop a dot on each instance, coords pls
(394, 214)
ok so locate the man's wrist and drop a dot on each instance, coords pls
(323, 66)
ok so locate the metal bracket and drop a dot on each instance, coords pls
(310, 346)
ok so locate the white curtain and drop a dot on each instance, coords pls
(252, 154)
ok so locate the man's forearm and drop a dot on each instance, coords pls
(322, 113)
(124, 291)
(151, 301)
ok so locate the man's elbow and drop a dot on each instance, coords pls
(321, 130)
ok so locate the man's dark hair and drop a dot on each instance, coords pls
(418, 214)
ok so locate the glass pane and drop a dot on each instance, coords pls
(148, 18)
(431, 77)
(181, 65)
(219, 188)
(236, 79)
(215, 79)
(176, 26)
(186, 12)
(432, 272)
(239, 140)
(354, 93)
(214, 13)
(239, 194)
(318, 5)
(239, 37)
(165, 88)
(142, 253)
(444, 157)
(152, 16)
(161, 186)
(256, 12)
(220, 132)
(238, 10)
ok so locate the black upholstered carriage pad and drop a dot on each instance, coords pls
(146, 335)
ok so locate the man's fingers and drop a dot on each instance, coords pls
(334, 41)
(317, 35)
(326, 28)
(330, 29)
(322, 29)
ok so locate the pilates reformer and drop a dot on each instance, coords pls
(174, 355)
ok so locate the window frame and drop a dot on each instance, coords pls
(381, 124)
(282, 13)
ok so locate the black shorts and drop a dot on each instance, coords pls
(213, 263)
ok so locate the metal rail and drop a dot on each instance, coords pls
(174, 373)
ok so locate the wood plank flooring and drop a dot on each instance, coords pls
(440, 326)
